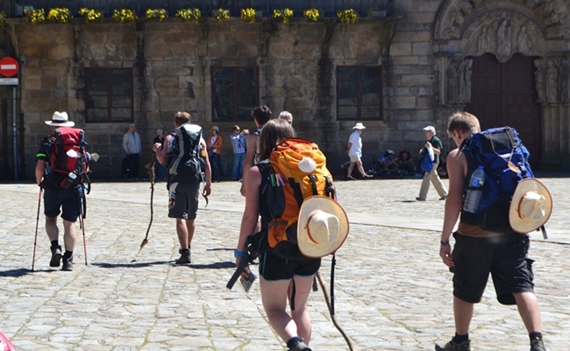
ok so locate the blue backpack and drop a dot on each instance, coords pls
(505, 161)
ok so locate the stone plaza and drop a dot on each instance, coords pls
(392, 292)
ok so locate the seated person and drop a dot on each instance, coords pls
(405, 162)
(388, 161)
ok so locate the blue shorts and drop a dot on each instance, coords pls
(66, 199)
(272, 267)
(183, 200)
(505, 257)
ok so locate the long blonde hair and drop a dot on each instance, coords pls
(272, 133)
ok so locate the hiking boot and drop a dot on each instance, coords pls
(452, 346)
(537, 345)
(184, 256)
(420, 198)
(55, 256)
(301, 346)
(443, 197)
(67, 264)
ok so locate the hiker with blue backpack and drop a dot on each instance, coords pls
(497, 201)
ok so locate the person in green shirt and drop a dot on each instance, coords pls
(432, 142)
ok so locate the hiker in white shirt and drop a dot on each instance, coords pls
(132, 148)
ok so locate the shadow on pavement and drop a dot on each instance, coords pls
(19, 272)
(131, 265)
(216, 265)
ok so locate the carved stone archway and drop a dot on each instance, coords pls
(536, 28)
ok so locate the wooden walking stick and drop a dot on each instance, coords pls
(150, 168)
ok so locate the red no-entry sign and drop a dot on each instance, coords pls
(9, 67)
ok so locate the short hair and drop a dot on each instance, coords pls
(272, 133)
(262, 114)
(236, 127)
(463, 122)
(182, 117)
(286, 115)
(132, 125)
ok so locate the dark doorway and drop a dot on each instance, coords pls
(504, 94)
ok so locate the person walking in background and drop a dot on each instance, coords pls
(261, 115)
(354, 150)
(479, 252)
(184, 180)
(286, 115)
(215, 142)
(432, 142)
(158, 167)
(132, 148)
(238, 139)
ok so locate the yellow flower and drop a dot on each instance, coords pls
(221, 14)
(312, 14)
(248, 14)
(190, 14)
(91, 15)
(283, 14)
(124, 15)
(348, 16)
(35, 16)
(161, 14)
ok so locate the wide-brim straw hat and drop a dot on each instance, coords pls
(359, 126)
(322, 226)
(531, 206)
(60, 119)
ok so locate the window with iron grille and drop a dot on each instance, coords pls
(359, 92)
(235, 93)
(109, 95)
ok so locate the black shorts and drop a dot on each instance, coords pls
(66, 199)
(272, 267)
(183, 200)
(505, 257)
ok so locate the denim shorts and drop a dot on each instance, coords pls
(504, 257)
(273, 268)
(183, 200)
(66, 199)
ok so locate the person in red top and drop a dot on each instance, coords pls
(214, 145)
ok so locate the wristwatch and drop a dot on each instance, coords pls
(444, 243)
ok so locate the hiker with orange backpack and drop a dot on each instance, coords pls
(293, 242)
(61, 167)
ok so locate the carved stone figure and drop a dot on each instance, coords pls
(551, 81)
(523, 40)
(465, 80)
(453, 80)
(565, 80)
(504, 40)
(539, 79)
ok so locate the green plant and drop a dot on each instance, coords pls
(91, 15)
(59, 15)
(35, 15)
(161, 14)
(312, 14)
(221, 14)
(248, 14)
(124, 15)
(348, 16)
(283, 14)
(190, 14)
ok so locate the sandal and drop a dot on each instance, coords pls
(368, 176)
(350, 178)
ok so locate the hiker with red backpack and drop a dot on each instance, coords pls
(493, 192)
(297, 229)
(61, 169)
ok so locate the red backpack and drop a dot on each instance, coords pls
(68, 159)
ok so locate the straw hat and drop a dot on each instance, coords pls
(359, 126)
(216, 128)
(531, 206)
(60, 119)
(159, 132)
(322, 226)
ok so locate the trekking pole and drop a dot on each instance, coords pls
(331, 311)
(37, 224)
(150, 168)
(82, 222)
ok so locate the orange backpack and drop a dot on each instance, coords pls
(296, 170)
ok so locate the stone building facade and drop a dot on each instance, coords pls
(508, 61)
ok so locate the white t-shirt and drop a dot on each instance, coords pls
(356, 147)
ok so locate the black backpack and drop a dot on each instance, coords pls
(186, 163)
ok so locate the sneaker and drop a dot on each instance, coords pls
(537, 345)
(452, 346)
(55, 256)
(443, 197)
(184, 257)
(301, 346)
(420, 198)
(67, 264)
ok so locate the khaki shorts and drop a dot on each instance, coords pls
(354, 158)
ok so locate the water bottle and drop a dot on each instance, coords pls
(476, 190)
(70, 180)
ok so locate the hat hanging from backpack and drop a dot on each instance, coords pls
(60, 119)
(531, 206)
(322, 226)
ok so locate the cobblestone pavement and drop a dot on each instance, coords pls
(391, 290)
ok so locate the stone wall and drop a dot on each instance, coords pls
(172, 61)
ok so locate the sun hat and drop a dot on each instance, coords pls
(216, 129)
(429, 129)
(159, 131)
(322, 226)
(531, 206)
(359, 126)
(60, 119)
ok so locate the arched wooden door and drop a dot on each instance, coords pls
(504, 94)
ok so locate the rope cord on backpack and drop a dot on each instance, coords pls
(314, 184)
